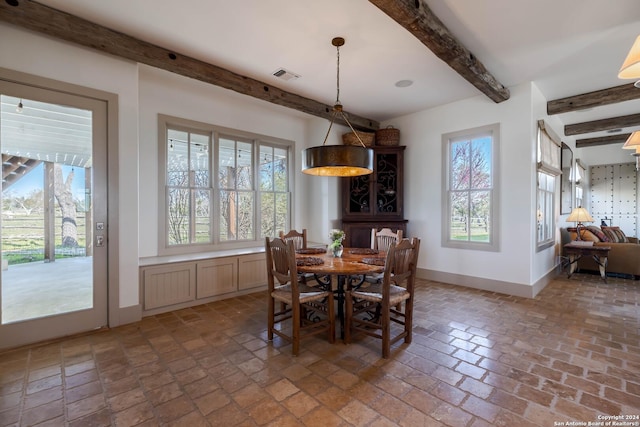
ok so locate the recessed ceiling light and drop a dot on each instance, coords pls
(404, 83)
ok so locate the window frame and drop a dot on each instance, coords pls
(493, 245)
(543, 211)
(548, 148)
(215, 243)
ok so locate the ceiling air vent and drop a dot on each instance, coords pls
(286, 75)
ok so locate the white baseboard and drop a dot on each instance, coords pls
(508, 288)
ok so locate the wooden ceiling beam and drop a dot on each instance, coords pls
(52, 22)
(419, 20)
(603, 124)
(596, 98)
(602, 140)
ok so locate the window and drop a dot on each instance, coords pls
(274, 193)
(581, 175)
(236, 189)
(471, 181)
(188, 187)
(545, 213)
(220, 187)
(549, 147)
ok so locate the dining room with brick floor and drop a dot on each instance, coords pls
(478, 358)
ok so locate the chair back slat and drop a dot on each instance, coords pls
(383, 239)
(281, 263)
(401, 264)
(299, 239)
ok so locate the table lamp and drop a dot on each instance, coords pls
(578, 215)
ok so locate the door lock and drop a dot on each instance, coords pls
(99, 240)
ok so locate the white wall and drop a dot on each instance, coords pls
(604, 155)
(421, 133)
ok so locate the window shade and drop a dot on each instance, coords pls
(549, 146)
(581, 171)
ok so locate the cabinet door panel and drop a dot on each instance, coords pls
(217, 277)
(253, 271)
(359, 195)
(380, 194)
(387, 184)
(169, 284)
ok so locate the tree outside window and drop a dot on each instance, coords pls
(470, 188)
(188, 187)
(237, 196)
(274, 190)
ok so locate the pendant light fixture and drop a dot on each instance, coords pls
(338, 160)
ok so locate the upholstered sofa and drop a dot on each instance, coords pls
(624, 256)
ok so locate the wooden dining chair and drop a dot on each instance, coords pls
(298, 238)
(297, 298)
(381, 240)
(376, 309)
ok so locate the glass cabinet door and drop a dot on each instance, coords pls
(378, 195)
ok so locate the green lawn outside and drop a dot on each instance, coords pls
(23, 238)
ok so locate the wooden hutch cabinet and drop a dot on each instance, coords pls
(374, 200)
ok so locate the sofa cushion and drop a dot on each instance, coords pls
(615, 234)
(602, 237)
(584, 234)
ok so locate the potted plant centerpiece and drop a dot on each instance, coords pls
(336, 236)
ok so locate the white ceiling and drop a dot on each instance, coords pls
(567, 47)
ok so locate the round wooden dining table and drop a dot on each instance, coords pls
(348, 270)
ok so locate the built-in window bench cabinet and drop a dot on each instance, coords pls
(173, 282)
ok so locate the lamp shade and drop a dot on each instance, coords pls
(579, 214)
(633, 142)
(337, 160)
(631, 66)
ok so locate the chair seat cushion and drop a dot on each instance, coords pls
(307, 293)
(373, 293)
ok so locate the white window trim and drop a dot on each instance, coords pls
(548, 162)
(494, 236)
(165, 121)
(540, 245)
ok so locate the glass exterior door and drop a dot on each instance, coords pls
(53, 222)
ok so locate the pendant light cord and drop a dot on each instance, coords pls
(338, 76)
(337, 108)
